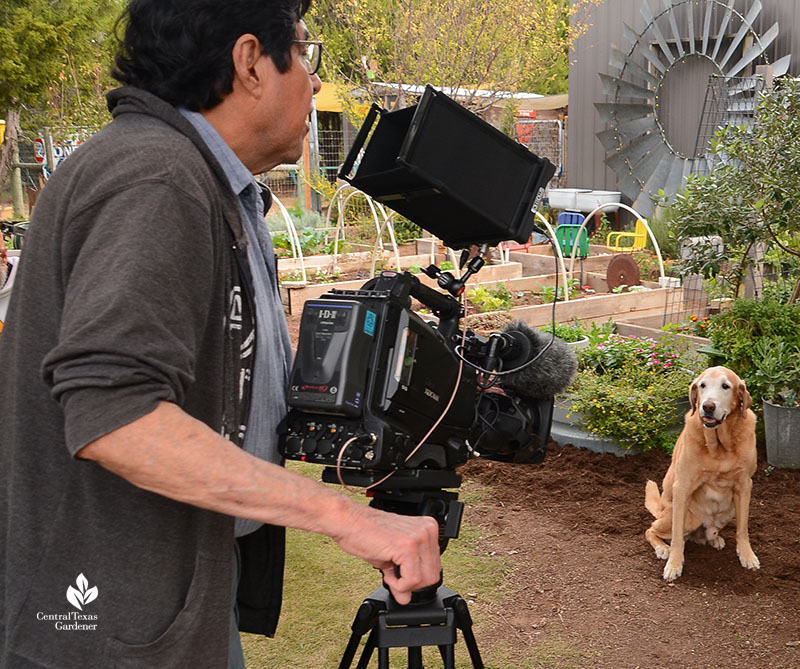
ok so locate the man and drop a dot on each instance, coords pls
(144, 343)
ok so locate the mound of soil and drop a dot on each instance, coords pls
(586, 577)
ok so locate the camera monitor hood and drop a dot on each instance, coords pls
(449, 171)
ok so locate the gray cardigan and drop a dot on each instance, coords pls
(133, 289)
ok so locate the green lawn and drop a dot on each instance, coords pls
(324, 588)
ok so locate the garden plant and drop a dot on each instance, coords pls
(632, 390)
(759, 338)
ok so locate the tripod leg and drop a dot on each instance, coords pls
(448, 656)
(364, 621)
(366, 654)
(415, 657)
(464, 623)
(383, 658)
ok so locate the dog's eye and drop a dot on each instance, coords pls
(725, 386)
(702, 385)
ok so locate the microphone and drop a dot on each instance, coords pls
(550, 374)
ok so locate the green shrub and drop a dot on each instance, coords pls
(629, 389)
(737, 331)
(569, 333)
(491, 299)
(750, 329)
(777, 371)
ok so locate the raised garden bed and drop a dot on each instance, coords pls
(294, 295)
(597, 308)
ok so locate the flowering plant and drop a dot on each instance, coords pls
(629, 389)
(610, 352)
(694, 325)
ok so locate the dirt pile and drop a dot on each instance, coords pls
(586, 576)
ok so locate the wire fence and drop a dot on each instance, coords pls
(545, 138)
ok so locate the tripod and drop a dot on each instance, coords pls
(435, 613)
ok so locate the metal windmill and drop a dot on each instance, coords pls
(637, 141)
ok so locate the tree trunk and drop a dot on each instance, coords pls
(8, 148)
(795, 293)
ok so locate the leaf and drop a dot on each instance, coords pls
(75, 598)
(90, 595)
(82, 582)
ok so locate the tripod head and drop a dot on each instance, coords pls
(411, 492)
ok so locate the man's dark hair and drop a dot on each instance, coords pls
(180, 50)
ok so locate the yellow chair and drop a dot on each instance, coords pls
(638, 239)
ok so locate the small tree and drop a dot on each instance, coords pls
(503, 46)
(54, 61)
(752, 197)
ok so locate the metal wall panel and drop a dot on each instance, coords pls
(591, 56)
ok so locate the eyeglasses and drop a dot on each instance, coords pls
(311, 51)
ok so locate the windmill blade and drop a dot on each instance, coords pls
(707, 27)
(640, 147)
(617, 87)
(645, 167)
(659, 176)
(638, 127)
(624, 64)
(630, 186)
(643, 49)
(624, 133)
(650, 20)
(721, 34)
(619, 163)
(781, 67)
(644, 205)
(752, 14)
(611, 139)
(620, 112)
(674, 26)
(675, 176)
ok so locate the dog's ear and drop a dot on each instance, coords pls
(745, 400)
(693, 396)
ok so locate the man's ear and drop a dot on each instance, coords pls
(246, 54)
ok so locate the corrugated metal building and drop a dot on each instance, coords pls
(680, 43)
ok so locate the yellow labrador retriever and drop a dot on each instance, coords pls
(710, 478)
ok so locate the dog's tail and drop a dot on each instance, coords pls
(652, 498)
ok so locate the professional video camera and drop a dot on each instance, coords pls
(393, 402)
(371, 378)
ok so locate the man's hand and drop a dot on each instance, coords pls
(388, 540)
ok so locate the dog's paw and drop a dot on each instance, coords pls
(748, 559)
(672, 571)
(717, 542)
(662, 552)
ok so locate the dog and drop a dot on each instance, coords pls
(709, 480)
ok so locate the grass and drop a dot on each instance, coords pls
(324, 588)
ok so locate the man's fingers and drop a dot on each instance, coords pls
(389, 541)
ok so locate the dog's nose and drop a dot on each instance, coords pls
(708, 408)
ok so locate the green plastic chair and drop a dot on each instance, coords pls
(565, 235)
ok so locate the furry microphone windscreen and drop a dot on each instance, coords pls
(551, 374)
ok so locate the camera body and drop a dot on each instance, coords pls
(372, 374)
(375, 388)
